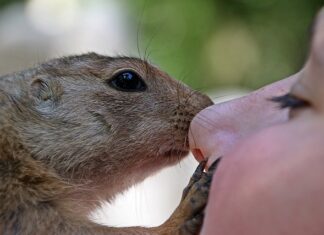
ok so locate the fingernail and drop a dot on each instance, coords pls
(198, 154)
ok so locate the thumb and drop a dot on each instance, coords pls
(317, 47)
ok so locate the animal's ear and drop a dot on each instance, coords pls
(45, 89)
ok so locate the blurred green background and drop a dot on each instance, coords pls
(212, 44)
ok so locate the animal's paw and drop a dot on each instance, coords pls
(188, 217)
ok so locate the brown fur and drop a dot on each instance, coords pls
(69, 141)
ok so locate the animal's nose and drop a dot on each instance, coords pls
(197, 102)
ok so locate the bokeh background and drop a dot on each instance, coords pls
(212, 45)
(208, 44)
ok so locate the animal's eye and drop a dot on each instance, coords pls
(128, 81)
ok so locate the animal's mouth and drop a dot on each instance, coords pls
(176, 153)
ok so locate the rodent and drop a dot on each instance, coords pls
(80, 129)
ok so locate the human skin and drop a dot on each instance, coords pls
(270, 178)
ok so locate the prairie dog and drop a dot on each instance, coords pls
(78, 130)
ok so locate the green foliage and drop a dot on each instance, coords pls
(215, 43)
(3, 3)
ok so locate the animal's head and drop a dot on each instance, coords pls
(89, 116)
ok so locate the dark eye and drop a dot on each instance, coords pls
(127, 81)
(290, 101)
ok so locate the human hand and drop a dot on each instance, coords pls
(270, 178)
